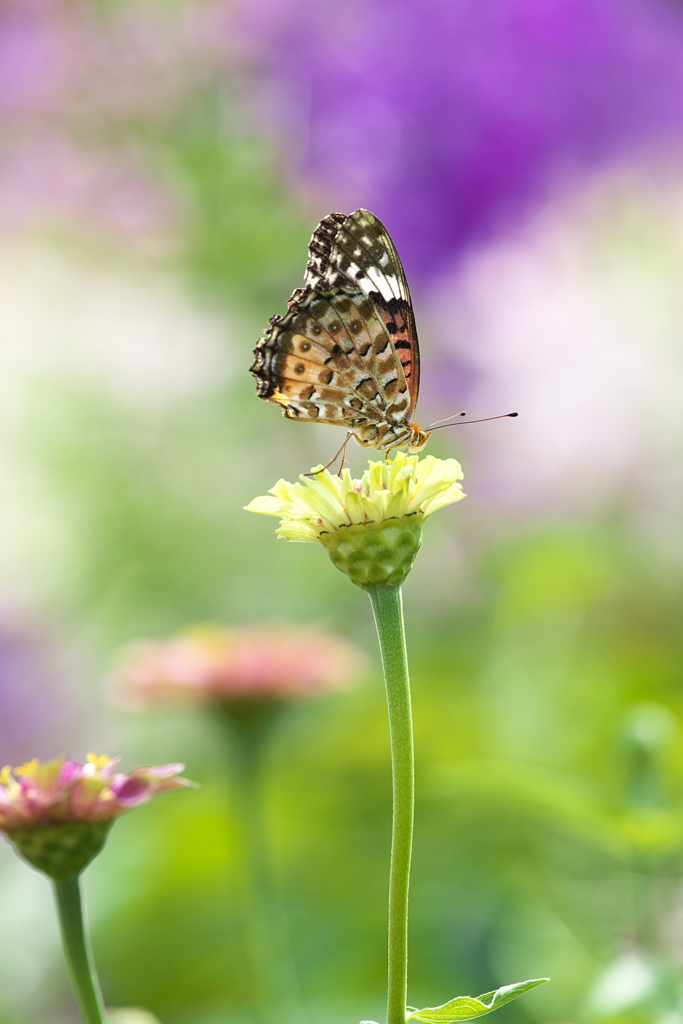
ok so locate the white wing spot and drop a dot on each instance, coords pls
(388, 286)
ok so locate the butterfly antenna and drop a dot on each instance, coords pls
(439, 425)
(446, 420)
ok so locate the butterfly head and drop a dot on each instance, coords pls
(418, 439)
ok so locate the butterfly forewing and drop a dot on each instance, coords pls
(346, 351)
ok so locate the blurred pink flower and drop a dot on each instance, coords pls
(79, 96)
(35, 699)
(215, 665)
(59, 791)
(46, 178)
(57, 813)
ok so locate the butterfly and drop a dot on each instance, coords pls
(346, 350)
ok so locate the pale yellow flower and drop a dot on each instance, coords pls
(391, 489)
(371, 527)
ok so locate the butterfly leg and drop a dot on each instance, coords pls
(343, 448)
(340, 451)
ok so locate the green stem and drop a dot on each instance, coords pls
(271, 974)
(388, 610)
(77, 950)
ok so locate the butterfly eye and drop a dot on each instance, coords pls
(299, 368)
(335, 327)
(316, 329)
(305, 346)
(355, 326)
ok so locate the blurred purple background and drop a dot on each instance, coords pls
(448, 119)
(451, 119)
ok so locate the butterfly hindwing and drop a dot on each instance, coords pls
(331, 359)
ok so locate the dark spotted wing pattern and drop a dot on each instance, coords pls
(346, 350)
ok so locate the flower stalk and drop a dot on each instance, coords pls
(248, 678)
(387, 606)
(77, 950)
(371, 529)
(271, 975)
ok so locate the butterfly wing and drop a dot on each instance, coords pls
(346, 350)
(358, 251)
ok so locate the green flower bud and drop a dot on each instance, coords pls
(376, 554)
(63, 849)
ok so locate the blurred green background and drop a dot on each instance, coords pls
(162, 166)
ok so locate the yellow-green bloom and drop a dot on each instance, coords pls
(371, 528)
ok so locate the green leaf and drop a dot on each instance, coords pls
(469, 1007)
